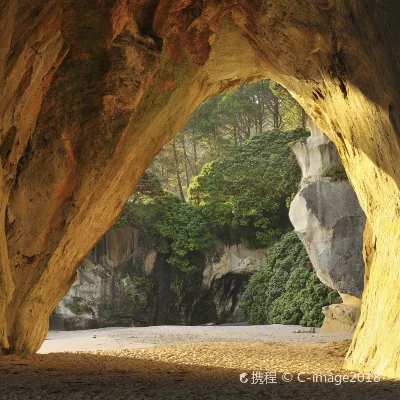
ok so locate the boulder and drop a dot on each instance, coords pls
(342, 318)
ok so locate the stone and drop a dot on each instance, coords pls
(90, 93)
(235, 259)
(340, 318)
(125, 282)
(330, 222)
(327, 217)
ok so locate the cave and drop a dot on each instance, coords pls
(91, 91)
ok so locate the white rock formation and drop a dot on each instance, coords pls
(330, 222)
(235, 259)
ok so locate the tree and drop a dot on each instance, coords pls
(220, 125)
(179, 229)
(177, 170)
(244, 194)
(284, 290)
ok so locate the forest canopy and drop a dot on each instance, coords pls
(222, 124)
(244, 195)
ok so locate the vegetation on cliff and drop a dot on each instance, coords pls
(236, 198)
(244, 195)
(285, 290)
(222, 124)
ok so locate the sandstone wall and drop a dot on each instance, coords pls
(90, 91)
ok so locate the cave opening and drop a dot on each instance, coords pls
(89, 95)
(231, 172)
(128, 278)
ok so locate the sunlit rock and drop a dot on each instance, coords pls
(90, 92)
(342, 318)
(327, 216)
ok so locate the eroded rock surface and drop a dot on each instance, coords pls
(125, 282)
(330, 222)
(340, 318)
(327, 216)
(89, 93)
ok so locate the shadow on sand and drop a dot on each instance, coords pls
(87, 376)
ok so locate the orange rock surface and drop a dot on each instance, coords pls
(91, 90)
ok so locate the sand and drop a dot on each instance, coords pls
(194, 370)
(137, 337)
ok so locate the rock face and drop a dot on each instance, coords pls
(125, 282)
(90, 91)
(340, 318)
(330, 222)
(327, 216)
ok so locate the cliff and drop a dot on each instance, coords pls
(330, 222)
(125, 282)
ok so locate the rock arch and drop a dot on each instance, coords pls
(90, 91)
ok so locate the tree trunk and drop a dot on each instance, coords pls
(185, 159)
(195, 157)
(303, 118)
(276, 113)
(177, 171)
(190, 166)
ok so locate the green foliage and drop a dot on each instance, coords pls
(121, 222)
(243, 195)
(335, 171)
(149, 185)
(133, 295)
(284, 290)
(179, 229)
(78, 305)
(177, 285)
(146, 284)
(221, 124)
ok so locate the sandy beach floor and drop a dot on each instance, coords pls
(188, 363)
(139, 337)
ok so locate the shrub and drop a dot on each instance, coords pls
(243, 195)
(284, 291)
(78, 305)
(335, 171)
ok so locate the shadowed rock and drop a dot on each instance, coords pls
(124, 281)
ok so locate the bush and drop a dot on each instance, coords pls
(284, 290)
(78, 305)
(243, 195)
(179, 229)
(335, 171)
